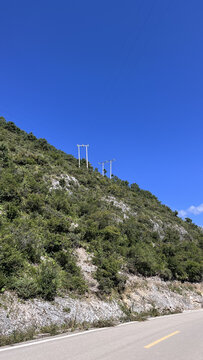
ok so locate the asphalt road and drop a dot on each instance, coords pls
(173, 337)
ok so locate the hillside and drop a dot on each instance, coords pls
(54, 215)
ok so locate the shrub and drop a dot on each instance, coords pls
(107, 274)
(9, 186)
(11, 260)
(26, 287)
(11, 211)
(12, 127)
(143, 260)
(58, 224)
(2, 280)
(74, 283)
(4, 155)
(34, 202)
(194, 271)
(48, 280)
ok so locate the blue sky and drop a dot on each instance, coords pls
(125, 77)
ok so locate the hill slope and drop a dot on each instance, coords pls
(50, 210)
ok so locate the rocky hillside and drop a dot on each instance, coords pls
(67, 231)
(49, 208)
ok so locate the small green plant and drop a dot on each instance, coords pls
(17, 336)
(67, 310)
(104, 323)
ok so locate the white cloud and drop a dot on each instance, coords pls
(182, 213)
(195, 210)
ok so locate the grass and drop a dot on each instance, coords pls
(51, 330)
(175, 288)
(131, 315)
(67, 310)
(17, 337)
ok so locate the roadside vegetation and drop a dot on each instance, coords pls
(45, 216)
(33, 333)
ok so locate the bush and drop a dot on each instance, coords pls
(28, 239)
(107, 274)
(12, 127)
(74, 283)
(194, 271)
(34, 203)
(4, 155)
(9, 185)
(48, 280)
(26, 287)
(2, 280)
(58, 224)
(11, 260)
(143, 260)
(11, 211)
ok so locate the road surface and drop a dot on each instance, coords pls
(173, 337)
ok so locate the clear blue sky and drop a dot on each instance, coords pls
(124, 76)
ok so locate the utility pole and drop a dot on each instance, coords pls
(110, 161)
(78, 155)
(102, 164)
(86, 155)
(86, 146)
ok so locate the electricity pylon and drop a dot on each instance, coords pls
(86, 146)
(110, 161)
(102, 164)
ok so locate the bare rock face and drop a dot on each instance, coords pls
(84, 261)
(67, 182)
(126, 209)
(160, 228)
(141, 295)
(18, 315)
(144, 294)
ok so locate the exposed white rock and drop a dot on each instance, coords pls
(69, 180)
(158, 227)
(16, 315)
(84, 261)
(181, 230)
(73, 226)
(144, 294)
(126, 209)
(141, 294)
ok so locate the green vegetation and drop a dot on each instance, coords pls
(49, 207)
(131, 315)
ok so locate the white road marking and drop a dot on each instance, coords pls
(33, 343)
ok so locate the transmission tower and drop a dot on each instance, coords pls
(86, 146)
(102, 164)
(111, 161)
